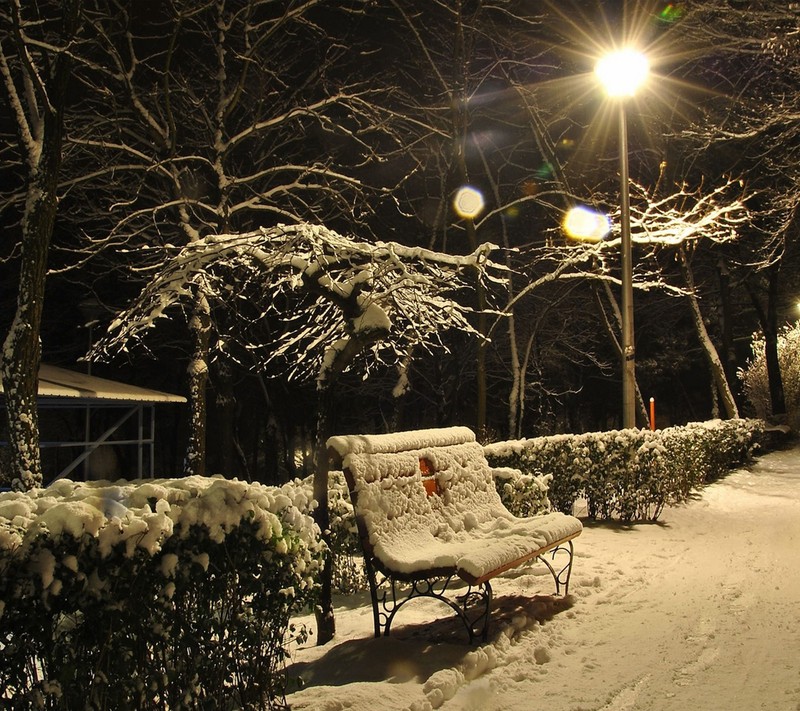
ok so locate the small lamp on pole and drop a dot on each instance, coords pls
(621, 73)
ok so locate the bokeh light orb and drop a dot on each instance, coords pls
(622, 72)
(468, 202)
(584, 224)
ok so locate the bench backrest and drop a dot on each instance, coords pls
(394, 498)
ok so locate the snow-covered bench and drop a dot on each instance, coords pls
(428, 512)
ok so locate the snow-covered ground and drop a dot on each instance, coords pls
(700, 611)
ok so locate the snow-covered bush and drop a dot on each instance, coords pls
(349, 573)
(755, 380)
(523, 494)
(631, 474)
(159, 594)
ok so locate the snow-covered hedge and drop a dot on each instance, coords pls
(160, 594)
(523, 494)
(631, 474)
(756, 382)
(349, 574)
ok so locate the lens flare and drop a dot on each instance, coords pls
(468, 202)
(545, 171)
(671, 12)
(584, 224)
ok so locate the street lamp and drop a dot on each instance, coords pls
(621, 73)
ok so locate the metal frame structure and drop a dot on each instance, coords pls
(60, 388)
(144, 441)
(386, 601)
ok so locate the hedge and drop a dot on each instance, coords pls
(159, 594)
(631, 474)
(177, 594)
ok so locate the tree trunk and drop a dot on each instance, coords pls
(516, 396)
(461, 133)
(326, 624)
(326, 381)
(712, 357)
(200, 327)
(728, 352)
(480, 365)
(776, 393)
(769, 326)
(225, 405)
(22, 346)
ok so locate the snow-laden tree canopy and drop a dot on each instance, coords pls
(310, 300)
(682, 218)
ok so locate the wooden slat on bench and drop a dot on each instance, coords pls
(466, 577)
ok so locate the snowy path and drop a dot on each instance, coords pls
(700, 611)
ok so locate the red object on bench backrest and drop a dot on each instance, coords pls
(428, 478)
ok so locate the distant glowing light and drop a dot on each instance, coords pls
(587, 225)
(621, 73)
(468, 202)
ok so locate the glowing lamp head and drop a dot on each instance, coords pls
(621, 73)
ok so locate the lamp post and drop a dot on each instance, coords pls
(468, 204)
(621, 74)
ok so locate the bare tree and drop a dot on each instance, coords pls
(225, 116)
(473, 130)
(36, 59)
(502, 134)
(680, 221)
(672, 224)
(343, 304)
(753, 123)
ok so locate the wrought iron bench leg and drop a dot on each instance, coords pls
(373, 594)
(386, 602)
(561, 575)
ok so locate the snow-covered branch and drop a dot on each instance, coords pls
(686, 215)
(299, 296)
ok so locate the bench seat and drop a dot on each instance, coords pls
(475, 554)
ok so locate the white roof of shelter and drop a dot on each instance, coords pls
(59, 383)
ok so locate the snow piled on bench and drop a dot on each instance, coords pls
(463, 527)
(400, 441)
